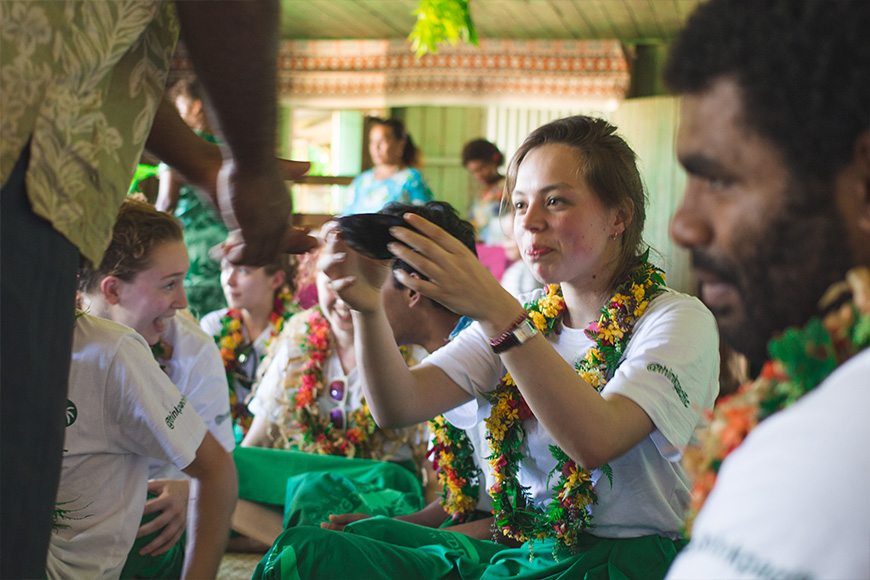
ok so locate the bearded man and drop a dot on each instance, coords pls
(775, 138)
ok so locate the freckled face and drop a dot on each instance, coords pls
(560, 225)
(154, 294)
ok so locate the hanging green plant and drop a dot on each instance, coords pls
(439, 21)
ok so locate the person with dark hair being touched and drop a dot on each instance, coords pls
(775, 138)
(395, 176)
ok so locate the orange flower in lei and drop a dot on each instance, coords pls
(319, 435)
(567, 516)
(231, 341)
(800, 360)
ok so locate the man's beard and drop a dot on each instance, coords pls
(780, 273)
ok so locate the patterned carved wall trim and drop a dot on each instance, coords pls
(358, 73)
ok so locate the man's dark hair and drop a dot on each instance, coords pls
(803, 67)
(441, 214)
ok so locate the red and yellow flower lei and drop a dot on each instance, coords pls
(567, 516)
(318, 433)
(458, 474)
(231, 338)
(800, 360)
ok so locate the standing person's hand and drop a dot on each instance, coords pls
(256, 207)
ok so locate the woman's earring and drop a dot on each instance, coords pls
(613, 236)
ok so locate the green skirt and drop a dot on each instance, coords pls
(310, 486)
(385, 548)
(167, 565)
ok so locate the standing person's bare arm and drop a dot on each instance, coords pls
(169, 192)
(233, 46)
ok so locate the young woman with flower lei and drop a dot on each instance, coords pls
(578, 207)
(312, 424)
(308, 399)
(261, 300)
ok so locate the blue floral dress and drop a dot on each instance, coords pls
(368, 194)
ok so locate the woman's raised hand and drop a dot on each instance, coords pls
(456, 278)
(354, 278)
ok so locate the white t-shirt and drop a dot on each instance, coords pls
(211, 324)
(122, 410)
(272, 395)
(793, 501)
(196, 369)
(670, 369)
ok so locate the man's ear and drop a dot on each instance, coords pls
(414, 297)
(111, 289)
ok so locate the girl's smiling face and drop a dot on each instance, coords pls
(334, 308)
(561, 227)
(155, 293)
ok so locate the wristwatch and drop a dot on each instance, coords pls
(519, 333)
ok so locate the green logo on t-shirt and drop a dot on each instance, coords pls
(176, 411)
(71, 413)
(669, 374)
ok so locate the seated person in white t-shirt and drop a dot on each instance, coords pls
(122, 411)
(260, 301)
(138, 283)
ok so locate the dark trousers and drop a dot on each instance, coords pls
(37, 311)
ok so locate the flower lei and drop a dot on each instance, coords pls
(231, 339)
(458, 474)
(318, 433)
(567, 515)
(800, 360)
(162, 351)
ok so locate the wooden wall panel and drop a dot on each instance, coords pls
(441, 132)
(649, 125)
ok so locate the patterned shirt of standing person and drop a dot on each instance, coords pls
(394, 177)
(77, 159)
